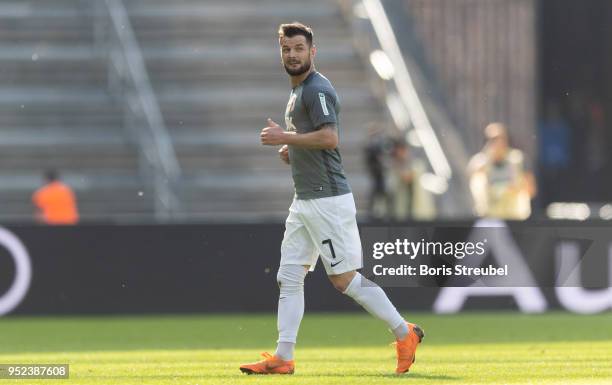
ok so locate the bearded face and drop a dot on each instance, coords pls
(296, 55)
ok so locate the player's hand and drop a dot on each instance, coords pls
(283, 152)
(272, 135)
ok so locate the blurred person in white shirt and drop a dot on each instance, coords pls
(500, 183)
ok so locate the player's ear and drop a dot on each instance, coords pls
(313, 50)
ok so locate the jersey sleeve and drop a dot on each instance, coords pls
(320, 102)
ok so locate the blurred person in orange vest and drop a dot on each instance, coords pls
(55, 202)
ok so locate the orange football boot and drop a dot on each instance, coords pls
(406, 348)
(269, 365)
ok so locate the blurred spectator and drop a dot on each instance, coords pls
(500, 184)
(554, 149)
(401, 182)
(55, 202)
(577, 114)
(374, 156)
(596, 139)
(408, 198)
(596, 143)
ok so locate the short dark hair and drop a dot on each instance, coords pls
(51, 175)
(294, 29)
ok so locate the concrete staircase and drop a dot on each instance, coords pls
(55, 112)
(216, 70)
(215, 66)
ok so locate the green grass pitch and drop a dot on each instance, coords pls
(472, 348)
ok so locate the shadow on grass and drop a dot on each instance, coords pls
(415, 376)
(420, 376)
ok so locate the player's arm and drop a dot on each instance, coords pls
(283, 153)
(324, 138)
(320, 104)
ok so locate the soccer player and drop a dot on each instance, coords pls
(321, 219)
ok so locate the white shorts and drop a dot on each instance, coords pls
(324, 227)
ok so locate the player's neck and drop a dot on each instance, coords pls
(297, 80)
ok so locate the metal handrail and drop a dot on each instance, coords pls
(399, 84)
(128, 77)
(405, 88)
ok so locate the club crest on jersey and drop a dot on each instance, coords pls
(291, 103)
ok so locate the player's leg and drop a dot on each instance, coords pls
(332, 222)
(290, 280)
(297, 254)
(340, 248)
(372, 298)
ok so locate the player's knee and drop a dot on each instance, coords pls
(339, 285)
(290, 278)
(342, 281)
(338, 282)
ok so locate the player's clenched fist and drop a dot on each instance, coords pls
(283, 152)
(273, 134)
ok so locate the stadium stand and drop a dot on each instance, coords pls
(217, 77)
(55, 111)
(217, 72)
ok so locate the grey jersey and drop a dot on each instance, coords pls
(316, 173)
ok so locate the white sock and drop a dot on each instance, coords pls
(375, 301)
(401, 331)
(284, 350)
(290, 308)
